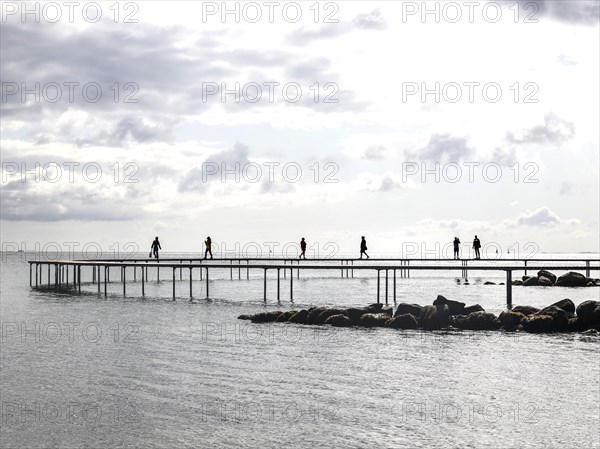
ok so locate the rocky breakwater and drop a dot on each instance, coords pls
(545, 278)
(562, 316)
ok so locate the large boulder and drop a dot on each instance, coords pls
(477, 321)
(474, 308)
(560, 318)
(517, 282)
(406, 321)
(588, 312)
(565, 304)
(531, 281)
(266, 317)
(524, 278)
(525, 310)
(313, 314)
(489, 283)
(327, 313)
(454, 307)
(413, 309)
(544, 282)
(538, 323)
(299, 317)
(510, 320)
(374, 308)
(388, 311)
(547, 275)
(571, 279)
(434, 317)
(245, 316)
(338, 321)
(354, 313)
(285, 316)
(374, 319)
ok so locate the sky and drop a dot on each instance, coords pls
(259, 123)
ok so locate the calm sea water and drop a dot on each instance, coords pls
(88, 371)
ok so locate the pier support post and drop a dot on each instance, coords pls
(394, 286)
(94, 274)
(30, 275)
(36, 275)
(386, 287)
(239, 270)
(284, 270)
(174, 283)
(525, 267)
(135, 273)
(278, 283)
(352, 271)
(231, 270)
(206, 282)
(247, 271)
(509, 289)
(143, 283)
(587, 268)
(48, 275)
(190, 283)
(106, 271)
(291, 284)
(123, 278)
(378, 286)
(56, 276)
(265, 286)
(79, 278)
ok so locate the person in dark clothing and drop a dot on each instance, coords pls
(363, 247)
(303, 249)
(476, 246)
(208, 250)
(154, 248)
(456, 247)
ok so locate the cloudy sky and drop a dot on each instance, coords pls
(258, 122)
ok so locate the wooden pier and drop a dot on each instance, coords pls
(403, 267)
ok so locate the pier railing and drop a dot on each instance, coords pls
(347, 267)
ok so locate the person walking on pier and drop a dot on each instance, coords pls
(476, 246)
(456, 247)
(208, 245)
(154, 248)
(363, 247)
(303, 249)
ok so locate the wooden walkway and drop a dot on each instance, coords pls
(345, 265)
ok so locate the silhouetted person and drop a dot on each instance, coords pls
(208, 250)
(303, 249)
(363, 247)
(456, 247)
(476, 246)
(154, 248)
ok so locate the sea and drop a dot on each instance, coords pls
(89, 371)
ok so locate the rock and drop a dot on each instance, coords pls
(591, 332)
(489, 283)
(575, 325)
(322, 318)
(588, 312)
(374, 308)
(590, 284)
(338, 321)
(560, 318)
(374, 319)
(501, 283)
(544, 282)
(413, 309)
(531, 281)
(285, 316)
(299, 317)
(245, 317)
(565, 304)
(313, 314)
(524, 278)
(477, 321)
(525, 310)
(517, 282)
(571, 279)
(455, 307)
(405, 321)
(354, 313)
(473, 308)
(547, 275)
(266, 317)
(434, 317)
(538, 323)
(510, 320)
(388, 311)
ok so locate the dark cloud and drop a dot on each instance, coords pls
(443, 148)
(584, 12)
(554, 131)
(387, 184)
(371, 21)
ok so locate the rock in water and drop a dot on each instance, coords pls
(299, 317)
(374, 319)
(285, 316)
(434, 317)
(571, 279)
(477, 321)
(473, 308)
(560, 318)
(538, 324)
(314, 314)
(266, 317)
(454, 307)
(322, 318)
(405, 321)
(525, 310)
(375, 307)
(588, 312)
(354, 313)
(529, 282)
(413, 309)
(489, 283)
(517, 282)
(245, 317)
(544, 282)
(565, 304)
(338, 321)
(510, 320)
(547, 275)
